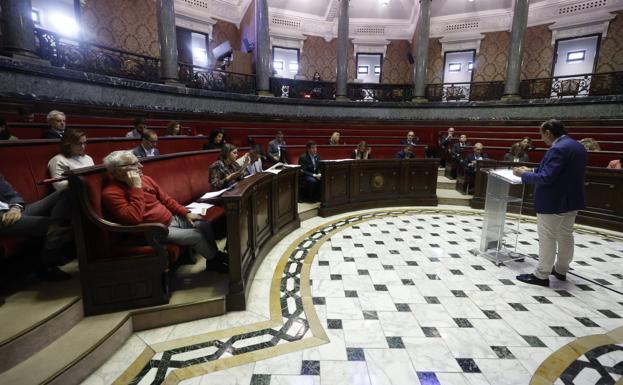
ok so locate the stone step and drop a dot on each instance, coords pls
(70, 358)
(445, 183)
(452, 197)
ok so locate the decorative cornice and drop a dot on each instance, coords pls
(370, 46)
(461, 42)
(291, 24)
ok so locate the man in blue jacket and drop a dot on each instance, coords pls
(558, 195)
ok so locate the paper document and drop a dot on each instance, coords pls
(506, 175)
(337, 160)
(213, 194)
(199, 208)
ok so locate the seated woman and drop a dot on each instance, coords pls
(335, 138)
(173, 129)
(73, 155)
(217, 140)
(527, 143)
(362, 151)
(517, 153)
(5, 133)
(226, 171)
(590, 144)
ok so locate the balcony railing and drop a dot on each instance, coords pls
(216, 80)
(88, 57)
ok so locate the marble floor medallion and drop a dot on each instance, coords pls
(395, 297)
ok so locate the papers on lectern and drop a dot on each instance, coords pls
(506, 175)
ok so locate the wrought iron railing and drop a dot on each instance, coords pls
(302, 89)
(216, 80)
(89, 57)
(607, 83)
(371, 92)
(455, 92)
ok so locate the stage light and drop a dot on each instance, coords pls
(65, 25)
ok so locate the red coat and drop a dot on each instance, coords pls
(133, 206)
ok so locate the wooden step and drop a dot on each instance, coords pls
(445, 183)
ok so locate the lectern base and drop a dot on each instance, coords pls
(499, 256)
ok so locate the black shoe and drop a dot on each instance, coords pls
(533, 280)
(52, 274)
(220, 263)
(561, 277)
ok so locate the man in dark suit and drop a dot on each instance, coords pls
(470, 160)
(459, 146)
(56, 120)
(444, 146)
(411, 139)
(406, 152)
(558, 195)
(148, 146)
(276, 149)
(310, 172)
(44, 218)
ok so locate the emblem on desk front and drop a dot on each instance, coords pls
(378, 181)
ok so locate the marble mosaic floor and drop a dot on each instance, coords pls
(395, 297)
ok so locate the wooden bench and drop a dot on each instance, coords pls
(124, 267)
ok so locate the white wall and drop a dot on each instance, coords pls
(562, 68)
(463, 58)
(370, 61)
(287, 56)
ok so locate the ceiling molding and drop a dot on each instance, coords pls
(565, 13)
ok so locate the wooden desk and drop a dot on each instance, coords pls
(603, 189)
(260, 211)
(363, 184)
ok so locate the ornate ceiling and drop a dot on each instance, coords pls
(372, 23)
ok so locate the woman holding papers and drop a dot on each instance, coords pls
(226, 171)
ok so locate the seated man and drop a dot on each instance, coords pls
(444, 145)
(133, 198)
(310, 172)
(470, 160)
(411, 139)
(148, 146)
(139, 127)
(406, 153)
(56, 120)
(276, 150)
(44, 218)
(459, 146)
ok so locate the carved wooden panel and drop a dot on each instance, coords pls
(338, 179)
(375, 180)
(244, 241)
(263, 213)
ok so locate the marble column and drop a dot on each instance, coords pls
(515, 52)
(421, 53)
(168, 41)
(342, 52)
(18, 29)
(262, 46)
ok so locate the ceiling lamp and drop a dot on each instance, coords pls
(384, 3)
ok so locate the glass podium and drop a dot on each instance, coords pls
(492, 241)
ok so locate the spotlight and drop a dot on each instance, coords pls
(64, 24)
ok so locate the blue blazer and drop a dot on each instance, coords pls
(559, 179)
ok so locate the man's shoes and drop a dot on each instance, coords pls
(561, 277)
(52, 274)
(220, 263)
(533, 280)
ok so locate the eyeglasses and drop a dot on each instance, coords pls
(135, 164)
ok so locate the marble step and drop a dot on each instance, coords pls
(36, 315)
(445, 183)
(453, 198)
(73, 356)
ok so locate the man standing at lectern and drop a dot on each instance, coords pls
(558, 195)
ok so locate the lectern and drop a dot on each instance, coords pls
(492, 240)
